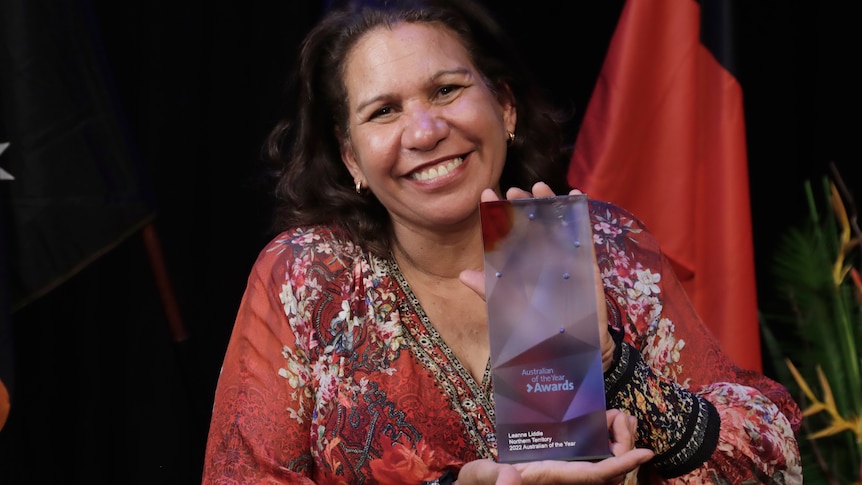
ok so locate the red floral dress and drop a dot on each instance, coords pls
(334, 374)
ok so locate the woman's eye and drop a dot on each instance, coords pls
(448, 89)
(381, 112)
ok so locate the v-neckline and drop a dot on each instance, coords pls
(484, 388)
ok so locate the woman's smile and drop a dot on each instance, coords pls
(428, 174)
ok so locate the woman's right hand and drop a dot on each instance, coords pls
(613, 470)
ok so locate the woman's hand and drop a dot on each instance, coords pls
(613, 470)
(488, 472)
(476, 279)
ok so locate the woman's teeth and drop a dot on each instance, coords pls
(438, 171)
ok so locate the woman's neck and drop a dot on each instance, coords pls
(438, 256)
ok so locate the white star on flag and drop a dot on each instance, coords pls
(4, 175)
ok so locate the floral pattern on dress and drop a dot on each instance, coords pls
(753, 442)
(334, 374)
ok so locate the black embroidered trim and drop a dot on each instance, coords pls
(684, 435)
(697, 446)
(620, 365)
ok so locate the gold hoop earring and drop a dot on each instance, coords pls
(511, 136)
(359, 187)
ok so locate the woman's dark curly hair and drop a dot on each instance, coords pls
(314, 186)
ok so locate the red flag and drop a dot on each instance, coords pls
(664, 136)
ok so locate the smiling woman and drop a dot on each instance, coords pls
(197, 83)
(360, 351)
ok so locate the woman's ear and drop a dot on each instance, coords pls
(510, 110)
(348, 156)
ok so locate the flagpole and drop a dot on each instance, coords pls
(166, 293)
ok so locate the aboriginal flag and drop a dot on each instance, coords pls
(664, 136)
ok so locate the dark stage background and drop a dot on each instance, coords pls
(102, 394)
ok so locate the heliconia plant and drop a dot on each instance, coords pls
(815, 344)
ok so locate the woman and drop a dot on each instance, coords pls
(360, 352)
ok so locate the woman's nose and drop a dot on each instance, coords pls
(424, 129)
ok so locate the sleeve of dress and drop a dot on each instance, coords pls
(708, 420)
(259, 430)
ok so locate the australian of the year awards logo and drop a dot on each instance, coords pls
(546, 380)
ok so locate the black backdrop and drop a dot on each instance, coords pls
(103, 395)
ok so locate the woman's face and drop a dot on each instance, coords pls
(426, 135)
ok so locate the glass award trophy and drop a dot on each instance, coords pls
(546, 362)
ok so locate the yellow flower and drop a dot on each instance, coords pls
(839, 423)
